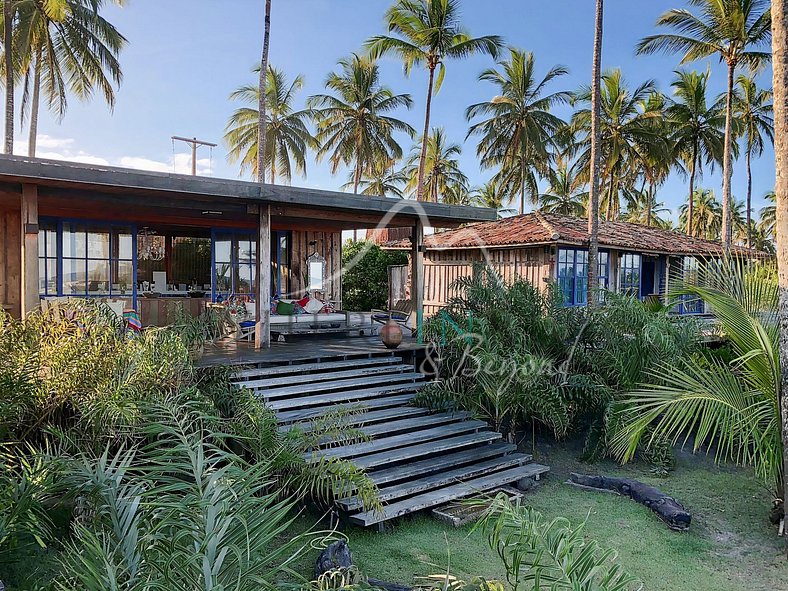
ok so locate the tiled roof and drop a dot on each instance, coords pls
(546, 228)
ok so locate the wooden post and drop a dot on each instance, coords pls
(417, 277)
(262, 333)
(30, 297)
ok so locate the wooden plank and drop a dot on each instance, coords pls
(363, 417)
(30, 297)
(432, 465)
(309, 378)
(310, 413)
(417, 275)
(397, 441)
(240, 375)
(345, 396)
(408, 424)
(440, 479)
(339, 384)
(450, 493)
(425, 449)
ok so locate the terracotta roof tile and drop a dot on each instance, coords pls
(544, 228)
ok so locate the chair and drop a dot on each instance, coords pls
(400, 313)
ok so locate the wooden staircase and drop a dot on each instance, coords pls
(417, 458)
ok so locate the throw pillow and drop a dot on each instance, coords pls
(313, 306)
(284, 308)
(304, 301)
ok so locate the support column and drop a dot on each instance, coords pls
(262, 333)
(30, 297)
(417, 277)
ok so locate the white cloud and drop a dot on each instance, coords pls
(64, 149)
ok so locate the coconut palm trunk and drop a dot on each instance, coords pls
(780, 85)
(596, 159)
(727, 160)
(748, 158)
(35, 101)
(425, 136)
(522, 184)
(261, 340)
(690, 201)
(8, 18)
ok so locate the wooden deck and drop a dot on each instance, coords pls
(417, 458)
(313, 347)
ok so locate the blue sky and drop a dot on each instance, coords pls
(184, 57)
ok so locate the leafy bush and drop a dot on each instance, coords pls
(180, 512)
(513, 354)
(365, 275)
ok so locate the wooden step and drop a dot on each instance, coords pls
(409, 424)
(348, 384)
(429, 448)
(439, 496)
(396, 441)
(387, 476)
(459, 474)
(320, 366)
(363, 417)
(307, 378)
(345, 396)
(385, 404)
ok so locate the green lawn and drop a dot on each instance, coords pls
(730, 545)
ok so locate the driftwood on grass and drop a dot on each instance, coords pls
(338, 555)
(667, 508)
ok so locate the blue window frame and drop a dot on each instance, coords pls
(572, 272)
(629, 281)
(233, 257)
(87, 259)
(689, 271)
(280, 254)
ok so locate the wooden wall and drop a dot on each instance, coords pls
(443, 268)
(11, 261)
(326, 244)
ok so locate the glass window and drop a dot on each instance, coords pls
(573, 274)
(690, 304)
(96, 261)
(629, 282)
(234, 264)
(47, 261)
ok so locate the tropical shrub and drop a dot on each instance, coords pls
(365, 275)
(179, 512)
(728, 402)
(539, 555)
(512, 354)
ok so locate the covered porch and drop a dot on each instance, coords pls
(147, 240)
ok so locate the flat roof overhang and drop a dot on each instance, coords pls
(64, 185)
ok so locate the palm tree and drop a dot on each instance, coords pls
(77, 53)
(730, 406)
(768, 216)
(383, 180)
(697, 135)
(457, 194)
(739, 221)
(731, 29)
(625, 132)
(753, 110)
(262, 97)
(518, 127)
(566, 193)
(441, 167)
(780, 85)
(54, 10)
(642, 207)
(287, 136)
(352, 126)
(489, 195)
(595, 157)
(707, 214)
(429, 32)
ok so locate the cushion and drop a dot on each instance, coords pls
(313, 306)
(284, 308)
(304, 301)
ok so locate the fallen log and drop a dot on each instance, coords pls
(668, 509)
(338, 555)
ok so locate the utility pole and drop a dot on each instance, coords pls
(193, 142)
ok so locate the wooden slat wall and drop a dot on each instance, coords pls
(11, 261)
(443, 268)
(329, 246)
